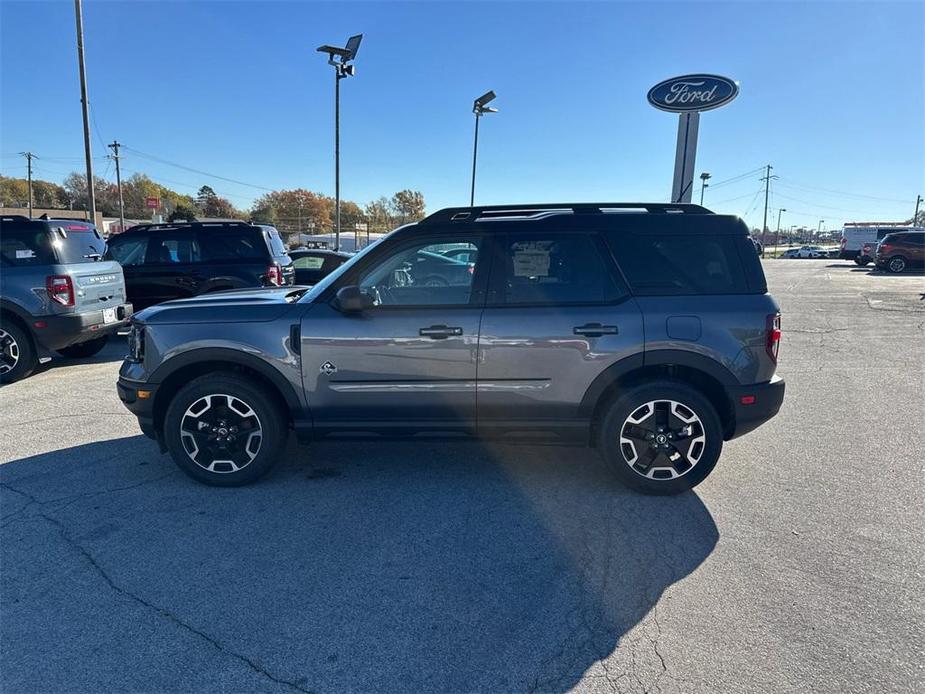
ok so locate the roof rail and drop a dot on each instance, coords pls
(177, 225)
(471, 214)
(17, 217)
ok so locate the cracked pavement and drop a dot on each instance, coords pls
(797, 566)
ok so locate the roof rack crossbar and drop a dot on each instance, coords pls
(470, 214)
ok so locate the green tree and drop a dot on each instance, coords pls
(408, 206)
(183, 212)
(379, 215)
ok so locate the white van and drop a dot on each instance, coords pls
(855, 235)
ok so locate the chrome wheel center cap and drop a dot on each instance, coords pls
(661, 438)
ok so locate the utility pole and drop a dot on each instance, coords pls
(767, 187)
(115, 155)
(29, 157)
(780, 211)
(918, 200)
(91, 196)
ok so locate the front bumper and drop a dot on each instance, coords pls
(60, 331)
(138, 399)
(754, 405)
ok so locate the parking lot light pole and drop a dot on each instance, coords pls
(819, 229)
(340, 58)
(704, 177)
(777, 235)
(478, 108)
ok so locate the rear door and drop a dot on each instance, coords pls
(558, 314)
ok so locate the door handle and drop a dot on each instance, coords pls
(595, 330)
(440, 332)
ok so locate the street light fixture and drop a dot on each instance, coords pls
(340, 58)
(479, 107)
(704, 177)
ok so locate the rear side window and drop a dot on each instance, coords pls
(308, 262)
(232, 245)
(656, 264)
(24, 248)
(543, 269)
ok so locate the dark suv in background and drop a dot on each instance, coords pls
(57, 292)
(179, 260)
(645, 330)
(901, 250)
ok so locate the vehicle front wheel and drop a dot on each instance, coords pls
(897, 264)
(224, 430)
(661, 438)
(82, 350)
(17, 356)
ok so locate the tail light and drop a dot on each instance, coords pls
(866, 249)
(885, 248)
(275, 275)
(61, 289)
(773, 333)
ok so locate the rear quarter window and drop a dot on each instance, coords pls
(25, 248)
(666, 264)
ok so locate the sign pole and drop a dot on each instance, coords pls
(685, 155)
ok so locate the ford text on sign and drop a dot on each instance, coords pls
(693, 93)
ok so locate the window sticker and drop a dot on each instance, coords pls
(531, 259)
(24, 254)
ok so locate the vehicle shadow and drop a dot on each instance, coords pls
(386, 567)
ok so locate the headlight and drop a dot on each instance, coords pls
(136, 343)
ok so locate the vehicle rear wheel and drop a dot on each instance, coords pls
(82, 350)
(897, 264)
(661, 438)
(17, 356)
(861, 261)
(224, 430)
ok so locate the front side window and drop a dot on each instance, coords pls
(422, 274)
(557, 269)
(129, 250)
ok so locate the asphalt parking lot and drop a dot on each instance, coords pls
(797, 566)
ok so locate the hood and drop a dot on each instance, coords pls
(256, 304)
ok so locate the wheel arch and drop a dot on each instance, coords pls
(176, 372)
(13, 313)
(702, 373)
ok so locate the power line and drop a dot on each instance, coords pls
(735, 179)
(197, 171)
(795, 184)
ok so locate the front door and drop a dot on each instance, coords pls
(408, 362)
(171, 269)
(557, 315)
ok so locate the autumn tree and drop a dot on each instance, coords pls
(408, 206)
(285, 208)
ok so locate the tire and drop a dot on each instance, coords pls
(82, 350)
(680, 406)
(17, 354)
(897, 264)
(861, 261)
(230, 404)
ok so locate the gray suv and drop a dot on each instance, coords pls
(645, 330)
(57, 293)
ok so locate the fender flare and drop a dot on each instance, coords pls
(660, 357)
(212, 354)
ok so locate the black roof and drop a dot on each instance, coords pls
(484, 212)
(171, 226)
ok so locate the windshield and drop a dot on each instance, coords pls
(319, 288)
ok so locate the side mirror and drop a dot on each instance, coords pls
(351, 299)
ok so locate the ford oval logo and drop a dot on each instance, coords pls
(693, 93)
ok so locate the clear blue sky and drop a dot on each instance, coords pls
(831, 96)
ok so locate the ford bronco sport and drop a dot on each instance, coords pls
(645, 330)
(57, 293)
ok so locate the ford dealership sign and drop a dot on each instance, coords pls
(693, 93)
